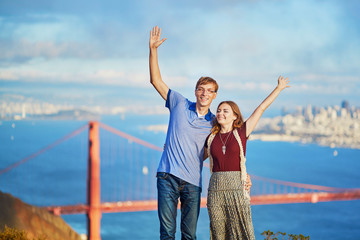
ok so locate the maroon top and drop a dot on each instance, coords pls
(230, 161)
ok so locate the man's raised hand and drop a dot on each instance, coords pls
(155, 38)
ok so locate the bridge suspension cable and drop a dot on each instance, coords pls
(129, 137)
(41, 151)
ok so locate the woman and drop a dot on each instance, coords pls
(228, 201)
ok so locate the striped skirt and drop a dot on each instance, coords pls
(229, 210)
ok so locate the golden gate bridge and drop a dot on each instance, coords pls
(119, 176)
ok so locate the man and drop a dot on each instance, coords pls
(179, 171)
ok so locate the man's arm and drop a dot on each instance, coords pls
(155, 76)
(254, 118)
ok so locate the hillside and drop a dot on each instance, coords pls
(36, 221)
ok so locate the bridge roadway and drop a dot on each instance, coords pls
(151, 205)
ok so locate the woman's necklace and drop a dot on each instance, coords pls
(224, 144)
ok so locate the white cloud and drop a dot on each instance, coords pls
(23, 50)
(321, 89)
(244, 45)
(329, 78)
(108, 75)
(156, 128)
(302, 84)
(8, 75)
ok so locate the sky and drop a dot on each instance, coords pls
(95, 53)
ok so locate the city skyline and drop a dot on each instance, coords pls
(87, 53)
(21, 109)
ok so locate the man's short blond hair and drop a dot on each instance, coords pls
(207, 80)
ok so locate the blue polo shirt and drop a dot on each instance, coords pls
(186, 135)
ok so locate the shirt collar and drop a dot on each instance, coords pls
(208, 116)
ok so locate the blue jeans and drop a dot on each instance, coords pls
(170, 189)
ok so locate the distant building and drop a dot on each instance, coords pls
(284, 111)
(308, 113)
(345, 104)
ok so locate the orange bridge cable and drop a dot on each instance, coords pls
(293, 184)
(129, 137)
(50, 146)
(300, 185)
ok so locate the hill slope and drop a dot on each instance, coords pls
(36, 221)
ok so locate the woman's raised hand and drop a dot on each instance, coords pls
(254, 118)
(155, 38)
(283, 83)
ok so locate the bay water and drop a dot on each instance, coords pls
(293, 162)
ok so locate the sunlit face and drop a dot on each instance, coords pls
(225, 115)
(205, 94)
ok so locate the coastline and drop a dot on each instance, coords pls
(326, 142)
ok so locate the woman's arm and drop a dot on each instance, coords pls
(254, 118)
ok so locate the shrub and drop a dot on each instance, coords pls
(15, 234)
(269, 235)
